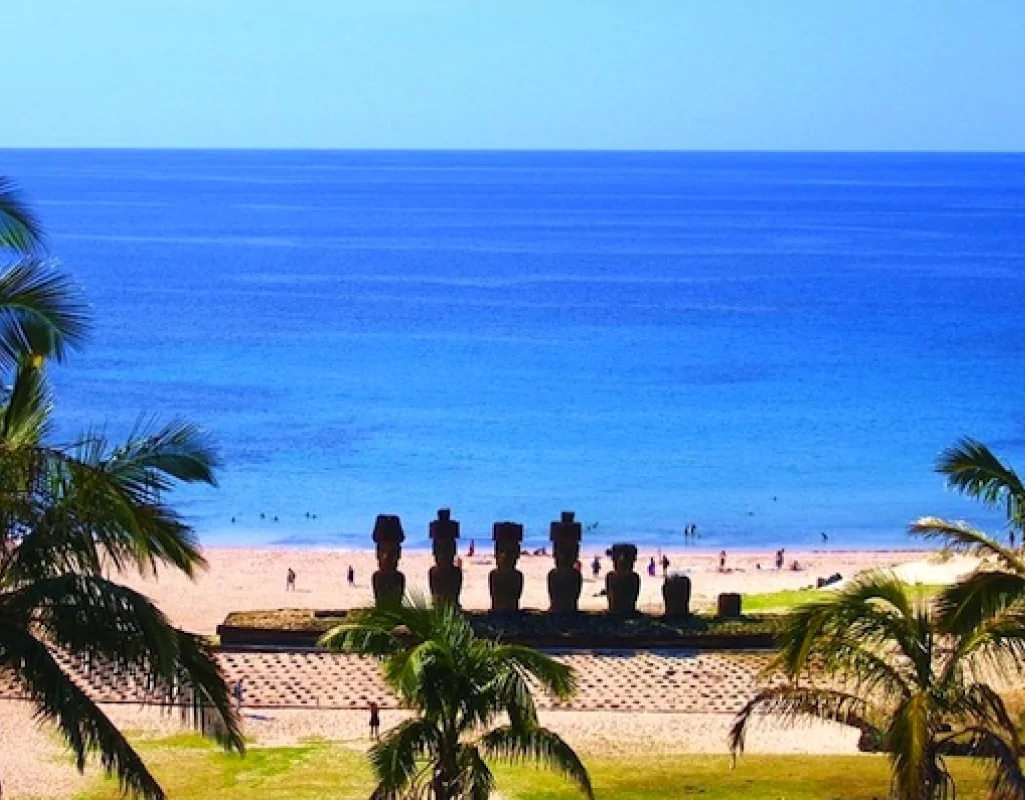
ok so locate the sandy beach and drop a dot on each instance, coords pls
(243, 579)
(251, 578)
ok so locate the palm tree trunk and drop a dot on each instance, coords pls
(446, 771)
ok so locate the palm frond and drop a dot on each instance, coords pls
(1003, 757)
(26, 415)
(795, 704)
(421, 675)
(540, 745)
(964, 606)
(981, 705)
(362, 636)
(177, 450)
(81, 511)
(995, 647)
(42, 313)
(20, 229)
(511, 693)
(91, 617)
(872, 611)
(963, 538)
(80, 721)
(972, 469)
(555, 677)
(394, 758)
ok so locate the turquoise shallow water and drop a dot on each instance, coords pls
(767, 345)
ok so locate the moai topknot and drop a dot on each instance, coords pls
(623, 585)
(389, 584)
(565, 582)
(505, 581)
(445, 578)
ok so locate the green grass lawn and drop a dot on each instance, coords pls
(788, 599)
(191, 769)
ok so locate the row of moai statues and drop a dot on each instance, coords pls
(565, 582)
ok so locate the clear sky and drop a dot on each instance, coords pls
(574, 74)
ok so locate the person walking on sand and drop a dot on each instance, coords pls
(596, 567)
(652, 569)
(722, 561)
(290, 580)
(375, 720)
(665, 566)
(238, 692)
(350, 576)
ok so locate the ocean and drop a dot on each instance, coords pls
(770, 346)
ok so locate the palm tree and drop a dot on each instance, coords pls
(873, 657)
(459, 686)
(995, 592)
(66, 512)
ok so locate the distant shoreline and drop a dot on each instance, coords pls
(484, 547)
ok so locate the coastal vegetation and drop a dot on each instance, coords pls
(68, 512)
(876, 657)
(459, 686)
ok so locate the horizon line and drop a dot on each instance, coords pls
(618, 150)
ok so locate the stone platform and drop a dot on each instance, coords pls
(680, 681)
(586, 630)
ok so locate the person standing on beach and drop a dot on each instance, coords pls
(665, 566)
(722, 561)
(652, 569)
(375, 720)
(596, 567)
(238, 692)
(350, 576)
(290, 580)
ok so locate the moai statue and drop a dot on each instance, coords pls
(505, 581)
(729, 605)
(565, 582)
(623, 585)
(445, 578)
(389, 584)
(676, 595)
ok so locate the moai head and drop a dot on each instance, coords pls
(507, 537)
(444, 533)
(388, 536)
(565, 537)
(624, 556)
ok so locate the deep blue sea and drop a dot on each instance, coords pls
(770, 346)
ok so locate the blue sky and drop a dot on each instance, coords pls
(573, 74)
